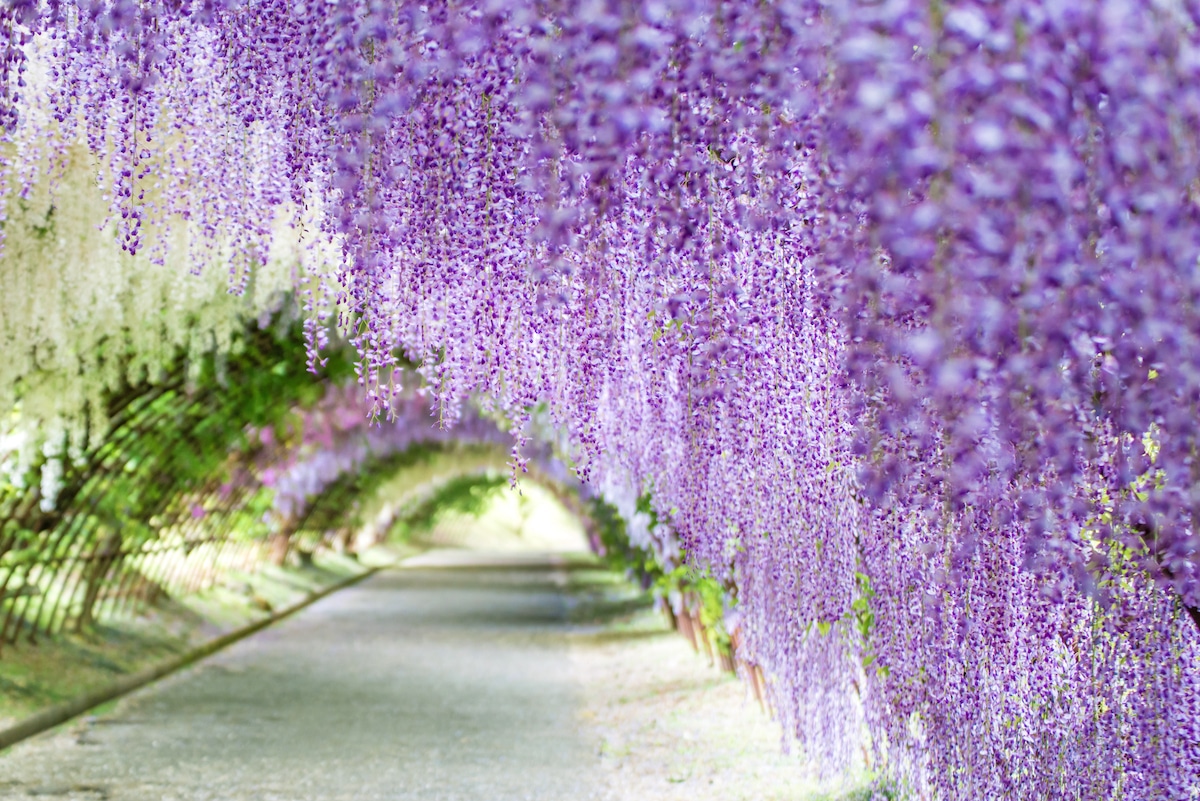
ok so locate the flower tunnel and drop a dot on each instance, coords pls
(192, 480)
(882, 317)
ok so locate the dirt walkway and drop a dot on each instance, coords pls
(423, 684)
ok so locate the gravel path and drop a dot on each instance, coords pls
(426, 684)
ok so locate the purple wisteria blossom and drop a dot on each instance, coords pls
(893, 308)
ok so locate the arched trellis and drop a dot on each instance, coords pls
(240, 463)
(164, 501)
(335, 510)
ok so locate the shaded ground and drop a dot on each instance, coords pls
(67, 665)
(428, 683)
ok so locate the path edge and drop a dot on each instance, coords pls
(64, 711)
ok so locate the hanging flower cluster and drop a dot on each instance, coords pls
(890, 306)
(80, 317)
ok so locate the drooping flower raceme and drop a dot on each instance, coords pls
(891, 308)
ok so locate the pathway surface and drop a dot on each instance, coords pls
(425, 683)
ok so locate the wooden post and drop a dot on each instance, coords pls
(101, 561)
(685, 625)
(281, 543)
